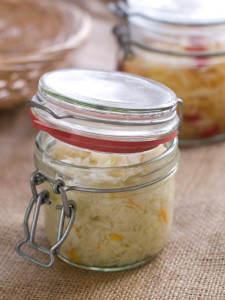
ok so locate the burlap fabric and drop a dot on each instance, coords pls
(192, 265)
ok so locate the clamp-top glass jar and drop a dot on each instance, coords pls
(182, 45)
(108, 144)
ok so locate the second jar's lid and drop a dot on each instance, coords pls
(105, 111)
(182, 12)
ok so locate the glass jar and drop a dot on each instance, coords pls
(105, 164)
(182, 45)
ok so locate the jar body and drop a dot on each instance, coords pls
(114, 229)
(198, 81)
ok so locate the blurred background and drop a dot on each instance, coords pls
(39, 36)
(36, 37)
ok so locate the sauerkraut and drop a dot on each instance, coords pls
(111, 229)
(199, 82)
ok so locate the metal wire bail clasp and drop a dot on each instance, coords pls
(68, 209)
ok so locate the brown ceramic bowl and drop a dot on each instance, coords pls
(35, 37)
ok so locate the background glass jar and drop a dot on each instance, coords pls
(105, 164)
(183, 48)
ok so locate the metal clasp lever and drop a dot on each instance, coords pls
(119, 9)
(67, 209)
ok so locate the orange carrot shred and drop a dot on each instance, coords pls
(76, 228)
(74, 256)
(116, 237)
(134, 204)
(163, 213)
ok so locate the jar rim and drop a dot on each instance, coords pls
(185, 54)
(171, 146)
(135, 36)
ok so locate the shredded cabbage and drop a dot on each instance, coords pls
(199, 82)
(112, 229)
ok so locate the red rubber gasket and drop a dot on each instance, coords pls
(98, 144)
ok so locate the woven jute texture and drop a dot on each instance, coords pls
(191, 266)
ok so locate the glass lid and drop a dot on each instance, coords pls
(109, 91)
(110, 111)
(191, 12)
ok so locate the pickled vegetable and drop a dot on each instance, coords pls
(199, 82)
(112, 229)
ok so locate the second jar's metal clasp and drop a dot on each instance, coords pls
(68, 210)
